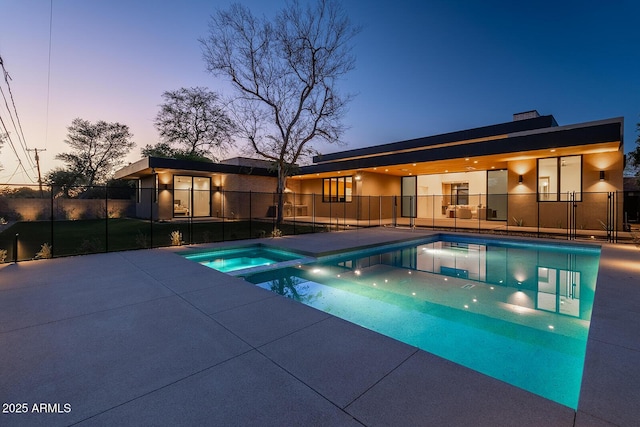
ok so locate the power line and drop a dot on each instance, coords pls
(23, 144)
(19, 133)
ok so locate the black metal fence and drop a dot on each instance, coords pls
(56, 222)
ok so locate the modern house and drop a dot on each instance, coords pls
(170, 188)
(529, 171)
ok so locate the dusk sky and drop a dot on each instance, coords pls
(422, 67)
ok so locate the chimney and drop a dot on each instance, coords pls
(526, 115)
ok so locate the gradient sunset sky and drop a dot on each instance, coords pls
(423, 67)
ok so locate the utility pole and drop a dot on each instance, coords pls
(38, 166)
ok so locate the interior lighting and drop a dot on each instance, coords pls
(413, 293)
(466, 306)
(520, 179)
(338, 275)
(551, 327)
(491, 287)
(601, 175)
(475, 300)
(357, 272)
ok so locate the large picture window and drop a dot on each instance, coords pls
(337, 189)
(191, 196)
(560, 179)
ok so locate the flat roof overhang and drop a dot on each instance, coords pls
(594, 137)
(458, 137)
(150, 165)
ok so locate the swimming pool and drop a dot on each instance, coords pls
(245, 259)
(519, 312)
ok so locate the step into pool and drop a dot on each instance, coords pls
(246, 258)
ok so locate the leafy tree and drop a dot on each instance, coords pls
(63, 182)
(285, 73)
(634, 156)
(97, 150)
(163, 149)
(192, 124)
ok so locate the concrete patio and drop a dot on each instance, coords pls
(150, 338)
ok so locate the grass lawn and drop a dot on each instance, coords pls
(99, 235)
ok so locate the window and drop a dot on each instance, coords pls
(560, 178)
(338, 189)
(409, 196)
(191, 196)
(460, 193)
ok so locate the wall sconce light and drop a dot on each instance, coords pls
(519, 179)
(601, 175)
(358, 177)
(166, 186)
(218, 188)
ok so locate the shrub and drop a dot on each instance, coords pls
(176, 238)
(91, 246)
(44, 252)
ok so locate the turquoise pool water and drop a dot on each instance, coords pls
(235, 260)
(518, 312)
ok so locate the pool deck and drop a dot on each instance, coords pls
(150, 338)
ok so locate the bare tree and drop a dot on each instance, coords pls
(285, 73)
(97, 150)
(193, 124)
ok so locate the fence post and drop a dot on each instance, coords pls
(313, 212)
(151, 216)
(51, 217)
(106, 217)
(222, 210)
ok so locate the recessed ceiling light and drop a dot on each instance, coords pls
(466, 159)
(386, 170)
(414, 164)
(553, 150)
(475, 161)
